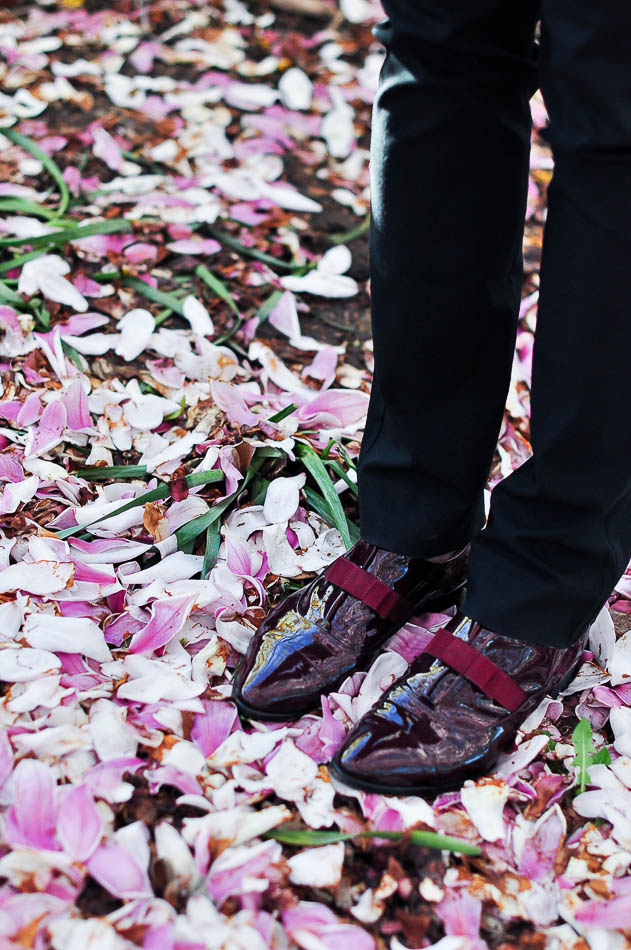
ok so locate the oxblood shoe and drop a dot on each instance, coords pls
(457, 707)
(320, 634)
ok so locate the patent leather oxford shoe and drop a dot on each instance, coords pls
(455, 710)
(319, 635)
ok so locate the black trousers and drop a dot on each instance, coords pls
(449, 169)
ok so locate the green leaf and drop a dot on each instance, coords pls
(602, 757)
(582, 740)
(51, 167)
(427, 839)
(317, 469)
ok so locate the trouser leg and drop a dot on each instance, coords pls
(559, 531)
(449, 168)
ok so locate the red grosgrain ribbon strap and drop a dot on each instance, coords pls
(370, 590)
(465, 659)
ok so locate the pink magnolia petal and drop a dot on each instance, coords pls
(610, 915)
(50, 429)
(116, 870)
(31, 409)
(308, 922)
(76, 403)
(167, 619)
(79, 824)
(214, 726)
(32, 820)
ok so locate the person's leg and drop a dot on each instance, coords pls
(559, 531)
(449, 168)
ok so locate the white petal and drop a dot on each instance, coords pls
(296, 89)
(136, 328)
(112, 737)
(282, 498)
(336, 260)
(198, 317)
(485, 805)
(290, 771)
(24, 664)
(321, 283)
(42, 577)
(68, 634)
(318, 867)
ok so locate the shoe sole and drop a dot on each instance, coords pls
(402, 790)
(261, 715)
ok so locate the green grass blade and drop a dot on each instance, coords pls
(224, 238)
(187, 534)
(268, 305)
(317, 469)
(213, 540)
(335, 466)
(162, 491)
(152, 293)
(300, 837)
(283, 413)
(101, 473)
(22, 206)
(65, 235)
(9, 296)
(51, 167)
(218, 287)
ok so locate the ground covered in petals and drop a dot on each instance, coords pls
(186, 361)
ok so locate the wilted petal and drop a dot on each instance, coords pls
(76, 403)
(296, 89)
(214, 726)
(24, 664)
(15, 493)
(290, 771)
